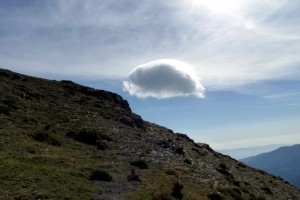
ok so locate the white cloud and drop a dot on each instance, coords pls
(231, 45)
(163, 78)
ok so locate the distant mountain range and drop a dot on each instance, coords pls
(283, 162)
(240, 153)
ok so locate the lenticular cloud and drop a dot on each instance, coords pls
(163, 79)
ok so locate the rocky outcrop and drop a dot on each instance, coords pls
(101, 94)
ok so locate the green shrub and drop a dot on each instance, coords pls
(179, 150)
(100, 175)
(46, 138)
(10, 104)
(223, 166)
(267, 190)
(140, 164)
(101, 145)
(8, 107)
(245, 190)
(236, 183)
(177, 190)
(215, 196)
(105, 137)
(4, 110)
(187, 161)
(171, 172)
(224, 172)
(90, 137)
(259, 198)
(133, 176)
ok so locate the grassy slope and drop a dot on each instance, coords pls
(31, 168)
(34, 169)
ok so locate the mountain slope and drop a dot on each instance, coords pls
(283, 162)
(60, 140)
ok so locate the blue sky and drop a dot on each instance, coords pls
(245, 53)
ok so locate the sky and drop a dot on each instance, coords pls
(226, 73)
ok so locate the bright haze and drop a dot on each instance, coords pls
(160, 55)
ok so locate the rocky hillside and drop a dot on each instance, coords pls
(60, 140)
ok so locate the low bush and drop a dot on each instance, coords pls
(4, 110)
(46, 138)
(259, 198)
(245, 190)
(100, 175)
(105, 137)
(214, 196)
(223, 166)
(171, 172)
(101, 145)
(90, 137)
(10, 104)
(133, 176)
(140, 164)
(224, 172)
(236, 183)
(187, 161)
(177, 190)
(179, 150)
(267, 190)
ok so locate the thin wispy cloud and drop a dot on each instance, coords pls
(162, 79)
(231, 44)
(245, 51)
